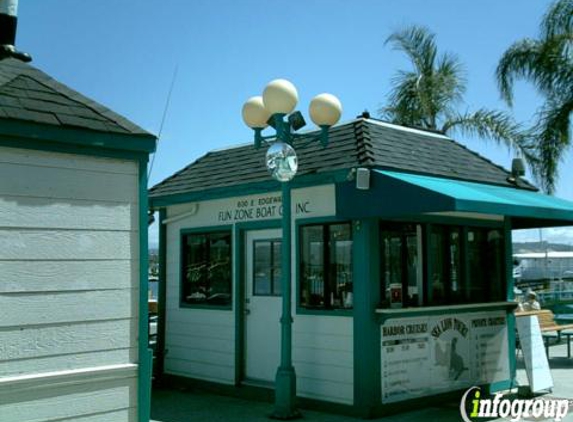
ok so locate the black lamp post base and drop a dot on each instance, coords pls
(285, 395)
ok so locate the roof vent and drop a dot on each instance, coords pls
(365, 115)
(8, 24)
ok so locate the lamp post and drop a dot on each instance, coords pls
(276, 108)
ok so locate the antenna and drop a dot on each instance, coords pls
(167, 102)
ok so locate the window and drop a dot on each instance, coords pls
(445, 266)
(401, 271)
(326, 266)
(486, 261)
(267, 268)
(206, 269)
(435, 264)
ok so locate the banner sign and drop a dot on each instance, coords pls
(536, 364)
(423, 356)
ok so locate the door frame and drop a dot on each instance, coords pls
(239, 269)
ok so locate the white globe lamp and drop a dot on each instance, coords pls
(325, 110)
(255, 115)
(280, 96)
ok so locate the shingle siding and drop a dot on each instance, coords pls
(29, 95)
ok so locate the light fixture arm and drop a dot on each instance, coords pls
(285, 133)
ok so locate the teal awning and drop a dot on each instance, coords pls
(394, 194)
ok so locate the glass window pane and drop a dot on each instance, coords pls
(277, 257)
(219, 268)
(438, 255)
(400, 266)
(340, 266)
(206, 269)
(312, 263)
(391, 268)
(496, 265)
(412, 294)
(262, 269)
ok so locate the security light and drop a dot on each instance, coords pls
(296, 120)
(517, 167)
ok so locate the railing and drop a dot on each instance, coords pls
(555, 296)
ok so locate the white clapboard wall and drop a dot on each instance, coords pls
(200, 343)
(69, 250)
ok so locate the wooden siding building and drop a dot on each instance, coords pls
(73, 255)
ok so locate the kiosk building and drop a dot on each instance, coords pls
(402, 267)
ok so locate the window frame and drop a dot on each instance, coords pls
(205, 231)
(272, 241)
(318, 221)
(463, 227)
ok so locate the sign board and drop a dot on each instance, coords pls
(536, 364)
(311, 202)
(427, 355)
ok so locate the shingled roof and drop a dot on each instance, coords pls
(29, 95)
(363, 142)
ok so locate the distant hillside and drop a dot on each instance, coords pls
(527, 247)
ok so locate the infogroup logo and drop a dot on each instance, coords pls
(516, 409)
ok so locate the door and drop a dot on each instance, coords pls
(262, 304)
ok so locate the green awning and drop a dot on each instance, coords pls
(395, 194)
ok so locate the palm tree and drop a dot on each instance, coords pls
(548, 63)
(428, 96)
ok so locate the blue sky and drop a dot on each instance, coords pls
(123, 53)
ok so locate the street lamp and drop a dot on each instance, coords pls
(276, 108)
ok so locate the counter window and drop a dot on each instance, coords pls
(206, 269)
(326, 266)
(267, 268)
(432, 265)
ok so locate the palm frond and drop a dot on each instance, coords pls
(558, 19)
(520, 60)
(488, 124)
(403, 106)
(418, 43)
(553, 138)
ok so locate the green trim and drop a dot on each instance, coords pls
(162, 294)
(268, 186)
(259, 225)
(145, 355)
(202, 230)
(239, 302)
(31, 144)
(366, 337)
(446, 220)
(511, 329)
(427, 263)
(385, 314)
(239, 230)
(49, 134)
(309, 311)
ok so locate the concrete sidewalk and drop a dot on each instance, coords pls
(196, 406)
